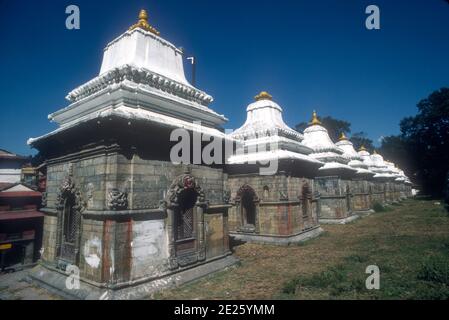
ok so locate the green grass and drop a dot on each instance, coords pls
(409, 243)
(411, 266)
(378, 207)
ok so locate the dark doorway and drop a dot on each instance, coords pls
(305, 195)
(70, 223)
(184, 217)
(248, 209)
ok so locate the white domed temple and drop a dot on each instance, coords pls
(118, 208)
(360, 188)
(280, 206)
(333, 181)
(132, 220)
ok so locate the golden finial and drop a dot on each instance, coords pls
(315, 119)
(362, 148)
(143, 23)
(263, 95)
(342, 137)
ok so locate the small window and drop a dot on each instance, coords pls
(184, 217)
(305, 197)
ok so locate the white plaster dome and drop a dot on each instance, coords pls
(265, 136)
(317, 138)
(264, 116)
(355, 160)
(366, 156)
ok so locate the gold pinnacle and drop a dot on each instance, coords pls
(143, 23)
(263, 95)
(315, 120)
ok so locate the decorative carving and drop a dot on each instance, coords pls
(181, 183)
(172, 203)
(139, 76)
(226, 196)
(89, 194)
(66, 190)
(246, 188)
(44, 199)
(187, 259)
(67, 240)
(283, 196)
(117, 200)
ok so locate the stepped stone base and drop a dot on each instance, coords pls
(340, 221)
(55, 281)
(278, 240)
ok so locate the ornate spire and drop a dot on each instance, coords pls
(314, 119)
(263, 95)
(342, 137)
(143, 23)
(362, 148)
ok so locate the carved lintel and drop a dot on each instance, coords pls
(181, 183)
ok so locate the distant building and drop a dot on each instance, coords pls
(20, 221)
(10, 166)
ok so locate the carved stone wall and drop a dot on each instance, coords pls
(125, 218)
(279, 204)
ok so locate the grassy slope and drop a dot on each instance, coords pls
(409, 244)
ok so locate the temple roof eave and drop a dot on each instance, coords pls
(131, 113)
(116, 93)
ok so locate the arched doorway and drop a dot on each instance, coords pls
(185, 203)
(70, 206)
(184, 216)
(306, 197)
(248, 208)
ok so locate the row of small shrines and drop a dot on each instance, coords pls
(129, 253)
(128, 221)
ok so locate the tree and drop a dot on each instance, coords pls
(446, 192)
(395, 149)
(334, 127)
(427, 138)
(359, 139)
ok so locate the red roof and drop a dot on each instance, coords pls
(4, 154)
(22, 214)
(6, 185)
(19, 194)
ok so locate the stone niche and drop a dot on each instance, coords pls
(336, 199)
(132, 226)
(277, 209)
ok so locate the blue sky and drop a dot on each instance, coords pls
(307, 54)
